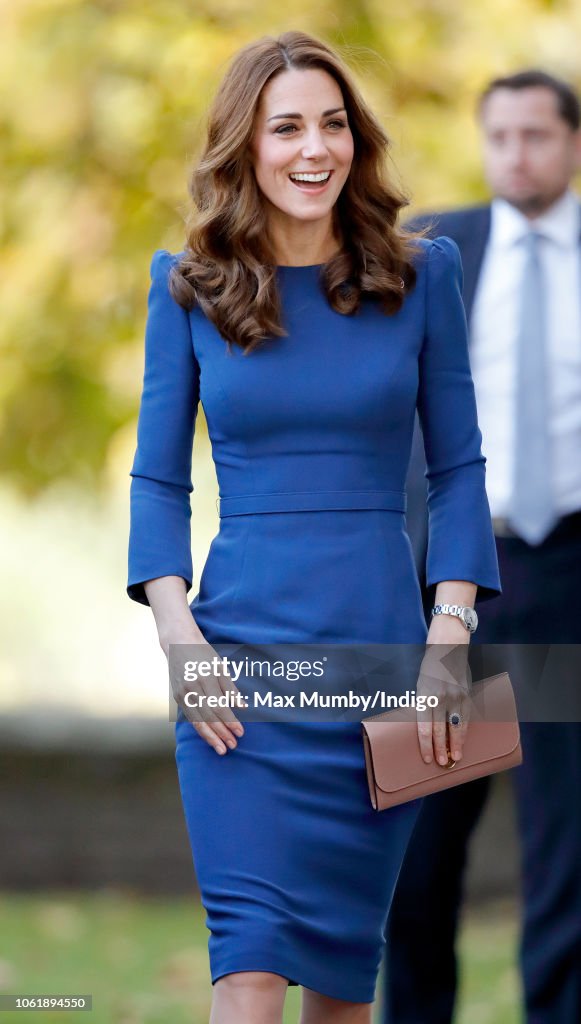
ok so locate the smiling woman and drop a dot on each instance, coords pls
(293, 329)
(305, 153)
(294, 173)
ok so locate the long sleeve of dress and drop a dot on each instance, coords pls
(160, 511)
(461, 544)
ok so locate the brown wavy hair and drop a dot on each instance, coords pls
(228, 266)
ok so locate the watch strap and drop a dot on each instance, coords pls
(457, 611)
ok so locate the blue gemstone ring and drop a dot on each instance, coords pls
(454, 718)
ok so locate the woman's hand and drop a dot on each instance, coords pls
(218, 726)
(444, 673)
(167, 596)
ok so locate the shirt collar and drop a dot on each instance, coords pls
(561, 222)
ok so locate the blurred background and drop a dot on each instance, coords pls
(102, 108)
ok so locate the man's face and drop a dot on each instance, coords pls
(530, 152)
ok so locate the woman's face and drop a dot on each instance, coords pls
(301, 128)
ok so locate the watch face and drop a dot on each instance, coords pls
(470, 618)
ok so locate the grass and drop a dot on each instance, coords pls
(490, 990)
(145, 960)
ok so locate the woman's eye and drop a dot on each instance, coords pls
(290, 129)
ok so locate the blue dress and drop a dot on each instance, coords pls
(311, 436)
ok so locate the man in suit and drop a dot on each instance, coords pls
(522, 290)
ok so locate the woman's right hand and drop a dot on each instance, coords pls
(218, 726)
(167, 596)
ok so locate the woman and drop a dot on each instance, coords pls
(310, 327)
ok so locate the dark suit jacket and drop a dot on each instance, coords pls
(469, 228)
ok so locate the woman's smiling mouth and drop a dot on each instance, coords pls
(310, 181)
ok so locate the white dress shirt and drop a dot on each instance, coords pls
(493, 350)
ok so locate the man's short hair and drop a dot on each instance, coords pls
(567, 100)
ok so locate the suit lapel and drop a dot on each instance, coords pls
(472, 248)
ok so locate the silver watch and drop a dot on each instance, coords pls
(466, 615)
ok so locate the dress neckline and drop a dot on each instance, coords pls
(302, 266)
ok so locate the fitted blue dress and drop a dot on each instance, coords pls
(311, 437)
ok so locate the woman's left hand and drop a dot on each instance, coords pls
(444, 674)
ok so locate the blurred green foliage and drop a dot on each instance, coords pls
(145, 961)
(102, 109)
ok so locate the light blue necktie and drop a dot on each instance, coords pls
(532, 510)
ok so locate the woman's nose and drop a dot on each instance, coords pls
(314, 144)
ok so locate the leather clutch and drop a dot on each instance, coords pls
(396, 770)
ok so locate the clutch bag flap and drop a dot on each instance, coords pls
(396, 770)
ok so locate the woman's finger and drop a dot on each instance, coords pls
(202, 697)
(208, 734)
(203, 714)
(439, 734)
(424, 723)
(457, 730)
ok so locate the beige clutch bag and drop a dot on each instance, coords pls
(396, 771)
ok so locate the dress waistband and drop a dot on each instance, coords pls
(310, 501)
